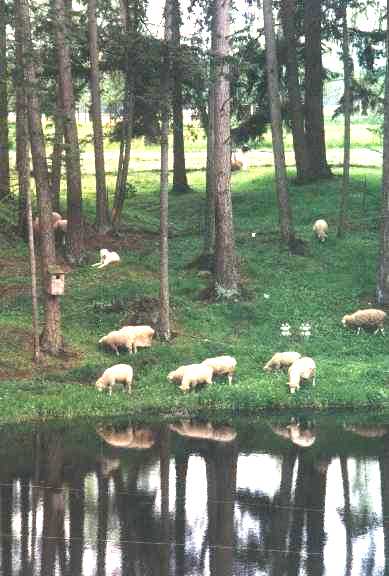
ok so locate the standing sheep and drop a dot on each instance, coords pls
(195, 374)
(320, 228)
(117, 373)
(177, 375)
(302, 369)
(222, 365)
(142, 336)
(116, 340)
(368, 318)
(281, 360)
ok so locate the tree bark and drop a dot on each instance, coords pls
(51, 338)
(347, 124)
(56, 157)
(288, 15)
(383, 262)
(226, 275)
(314, 116)
(75, 232)
(164, 303)
(4, 151)
(180, 181)
(102, 219)
(209, 220)
(285, 214)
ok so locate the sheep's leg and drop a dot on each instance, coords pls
(229, 378)
(358, 330)
(115, 349)
(314, 381)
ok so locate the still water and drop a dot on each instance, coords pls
(286, 496)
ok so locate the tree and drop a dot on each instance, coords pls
(4, 152)
(180, 181)
(75, 231)
(209, 220)
(56, 156)
(102, 220)
(285, 214)
(51, 338)
(314, 117)
(288, 15)
(347, 121)
(164, 305)
(226, 275)
(383, 262)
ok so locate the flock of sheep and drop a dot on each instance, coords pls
(189, 376)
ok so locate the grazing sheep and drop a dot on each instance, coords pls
(177, 375)
(194, 374)
(142, 336)
(222, 365)
(106, 257)
(320, 228)
(370, 317)
(302, 369)
(281, 360)
(117, 373)
(138, 438)
(204, 431)
(116, 340)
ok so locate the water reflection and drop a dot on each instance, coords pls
(286, 497)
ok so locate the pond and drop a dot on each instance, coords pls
(270, 496)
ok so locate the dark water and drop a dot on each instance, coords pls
(270, 497)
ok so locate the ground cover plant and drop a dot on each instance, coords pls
(333, 278)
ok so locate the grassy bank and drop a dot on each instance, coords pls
(334, 278)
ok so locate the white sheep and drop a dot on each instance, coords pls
(194, 374)
(177, 375)
(106, 257)
(370, 317)
(61, 225)
(116, 340)
(281, 360)
(55, 216)
(222, 365)
(142, 336)
(320, 228)
(117, 373)
(204, 431)
(302, 369)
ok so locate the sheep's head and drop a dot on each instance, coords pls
(345, 319)
(100, 384)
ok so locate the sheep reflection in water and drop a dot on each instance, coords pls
(300, 434)
(130, 437)
(205, 431)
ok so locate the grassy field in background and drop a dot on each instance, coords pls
(334, 278)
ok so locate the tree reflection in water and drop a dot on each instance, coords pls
(124, 499)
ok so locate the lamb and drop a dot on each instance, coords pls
(281, 360)
(302, 368)
(116, 340)
(117, 373)
(222, 365)
(370, 317)
(320, 228)
(141, 336)
(106, 257)
(204, 431)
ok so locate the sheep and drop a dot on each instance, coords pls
(320, 228)
(281, 360)
(61, 225)
(191, 375)
(236, 165)
(370, 317)
(116, 340)
(222, 365)
(141, 336)
(302, 368)
(106, 257)
(204, 431)
(117, 373)
(55, 217)
(141, 438)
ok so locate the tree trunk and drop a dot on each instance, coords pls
(288, 15)
(22, 136)
(164, 304)
(75, 233)
(56, 157)
(4, 151)
(347, 122)
(209, 220)
(285, 214)
(129, 23)
(314, 116)
(102, 219)
(383, 263)
(226, 275)
(180, 181)
(51, 339)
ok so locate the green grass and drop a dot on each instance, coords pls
(335, 278)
